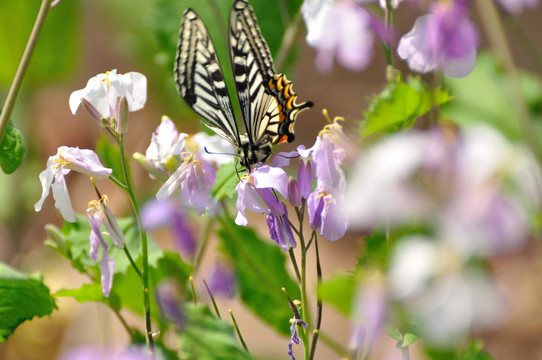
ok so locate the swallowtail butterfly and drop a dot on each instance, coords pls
(268, 103)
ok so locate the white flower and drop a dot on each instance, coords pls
(103, 93)
(448, 298)
(67, 159)
(211, 149)
(166, 146)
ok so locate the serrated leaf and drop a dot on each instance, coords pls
(109, 155)
(21, 298)
(400, 104)
(208, 338)
(339, 291)
(261, 274)
(12, 149)
(226, 181)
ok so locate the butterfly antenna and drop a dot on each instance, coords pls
(217, 153)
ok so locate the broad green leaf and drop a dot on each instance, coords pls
(90, 292)
(109, 155)
(226, 180)
(207, 338)
(339, 291)
(485, 96)
(21, 298)
(58, 48)
(261, 273)
(12, 149)
(400, 104)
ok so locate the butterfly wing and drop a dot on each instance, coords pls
(199, 78)
(266, 98)
(252, 68)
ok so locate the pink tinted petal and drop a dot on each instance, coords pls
(107, 266)
(271, 177)
(334, 222)
(282, 159)
(460, 67)
(84, 161)
(173, 182)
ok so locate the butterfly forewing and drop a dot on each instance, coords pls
(199, 78)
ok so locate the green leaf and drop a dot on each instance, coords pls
(90, 292)
(109, 155)
(404, 337)
(12, 149)
(339, 291)
(475, 352)
(400, 104)
(207, 338)
(261, 273)
(128, 286)
(21, 298)
(226, 180)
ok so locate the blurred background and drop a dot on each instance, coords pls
(84, 38)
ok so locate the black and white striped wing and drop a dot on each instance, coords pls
(199, 78)
(252, 68)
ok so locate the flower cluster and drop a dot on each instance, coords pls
(452, 184)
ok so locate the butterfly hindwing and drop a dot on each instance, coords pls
(267, 99)
(252, 68)
(199, 78)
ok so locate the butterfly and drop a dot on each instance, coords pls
(268, 102)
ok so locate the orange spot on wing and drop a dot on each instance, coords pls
(283, 139)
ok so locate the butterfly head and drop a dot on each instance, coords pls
(250, 154)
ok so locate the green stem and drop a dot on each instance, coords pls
(238, 331)
(212, 300)
(207, 227)
(388, 14)
(144, 246)
(497, 38)
(318, 299)
(23, 66)
(131, 260)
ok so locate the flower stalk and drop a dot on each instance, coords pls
(144, 245)
(23, 66)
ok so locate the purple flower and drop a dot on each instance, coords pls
(99, 214)
(168, 300)
(325, 204)
(60, 165)
(255, 192)
(516, 7)
(294, 338)
(102, 97)
(222, 280)
(339, 28)
(445, 39)
(258, 186)
(195, 184)
(166, 212)
(93, 353)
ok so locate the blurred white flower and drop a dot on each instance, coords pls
(473, 188)
(516, 7)
(448, 298)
